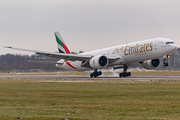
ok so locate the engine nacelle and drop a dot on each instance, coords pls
(98, 62)
(151, 64)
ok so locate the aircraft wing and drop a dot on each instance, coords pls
(48, 62)
(72, 57)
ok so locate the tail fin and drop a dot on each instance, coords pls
(61, 44)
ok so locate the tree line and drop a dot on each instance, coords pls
(11, 61)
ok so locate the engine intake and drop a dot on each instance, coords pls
(98, 62)
(151, 64)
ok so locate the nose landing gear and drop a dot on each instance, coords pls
(165, 60)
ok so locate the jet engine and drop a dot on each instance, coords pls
(151, 64)
(98, 62)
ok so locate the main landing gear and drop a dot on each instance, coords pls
(95, 73)
(125, 73)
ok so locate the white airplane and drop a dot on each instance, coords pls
(146, 52)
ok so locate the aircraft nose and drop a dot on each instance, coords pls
(174, 46)
(171, 48)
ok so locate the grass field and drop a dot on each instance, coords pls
(156, 73)
(89, 100)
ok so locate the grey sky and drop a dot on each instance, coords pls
(85, 24)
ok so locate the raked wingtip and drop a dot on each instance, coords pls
(7, 47)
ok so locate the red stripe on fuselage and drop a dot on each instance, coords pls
(69, 64)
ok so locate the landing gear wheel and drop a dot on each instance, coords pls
(125, 73)
(165, 64)
(95, 73)
(129, 74)
(120, 74)
(91, 75)
(165, 60)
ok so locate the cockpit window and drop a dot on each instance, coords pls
(169, 42)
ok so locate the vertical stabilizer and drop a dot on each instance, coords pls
(61, 44)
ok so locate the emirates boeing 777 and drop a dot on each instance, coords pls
(146, 52)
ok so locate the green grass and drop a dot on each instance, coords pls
(156, 73)
(89, 100)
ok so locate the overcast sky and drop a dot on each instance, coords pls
(85, 24)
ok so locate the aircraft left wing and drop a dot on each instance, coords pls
(48, 62)
(72, 57)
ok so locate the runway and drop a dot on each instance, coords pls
(84, 77)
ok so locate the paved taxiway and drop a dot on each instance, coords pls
(84, 77)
